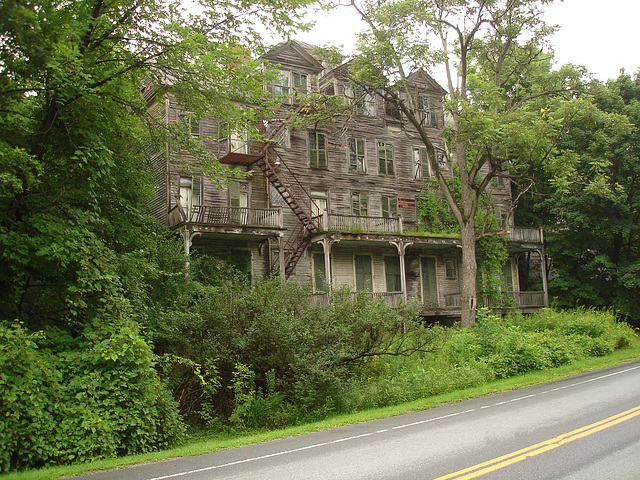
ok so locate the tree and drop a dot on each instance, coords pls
(78, 255)
(75, 132)
(500, 93)
(593, 221)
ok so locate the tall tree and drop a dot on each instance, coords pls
(593, 221)
(500, 90)
(75, 131)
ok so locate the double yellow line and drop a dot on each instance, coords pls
(542, 447)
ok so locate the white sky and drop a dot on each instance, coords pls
(604, 36)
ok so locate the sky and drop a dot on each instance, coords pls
(600, 35)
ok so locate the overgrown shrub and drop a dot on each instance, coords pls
(65, 399)
(497, 347)
(277, 359)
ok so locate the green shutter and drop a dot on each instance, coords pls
(364, 277)
(392, 274)
(429, 281)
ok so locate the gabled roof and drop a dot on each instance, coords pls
(421, 75)
(294, 53)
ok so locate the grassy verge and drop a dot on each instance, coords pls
(229, 441)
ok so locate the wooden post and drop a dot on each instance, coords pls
(402, 248)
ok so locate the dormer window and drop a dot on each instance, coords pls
(427, 109)
(288, 83)
(361, 101)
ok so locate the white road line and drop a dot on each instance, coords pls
(397, 427)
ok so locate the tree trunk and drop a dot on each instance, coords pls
(468, 298)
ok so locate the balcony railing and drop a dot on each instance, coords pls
(528, 235)
(227, 216)
(357, 224)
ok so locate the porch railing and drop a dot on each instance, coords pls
(516, 299)
(357, 224)
(394, 299)
(232, 216)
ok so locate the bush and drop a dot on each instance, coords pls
(65, 399)
(277, 359)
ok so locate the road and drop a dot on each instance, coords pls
(583, 427)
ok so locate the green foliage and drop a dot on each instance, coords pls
(591, 205)
(494, 348)
(275, 358)
(66, 399)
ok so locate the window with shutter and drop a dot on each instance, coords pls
(317, 150)
(356, 155)
(385, 158)
(392, 274)
(363, 272)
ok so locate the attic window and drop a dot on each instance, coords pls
(288, 82)
(427, 109)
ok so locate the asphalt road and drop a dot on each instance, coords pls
(583, 427)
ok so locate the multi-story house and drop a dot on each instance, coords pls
(334, 204)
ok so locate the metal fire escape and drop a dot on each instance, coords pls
(294, 195)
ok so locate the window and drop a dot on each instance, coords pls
(238, 194)
(497, 182)
(275, 198)
(190, 193)
(361, 100)
(389, 207)
(502, 216)
(442, 162)
(507, 275)
(190, 124)
(363, 272)
(238, 142)
(238, 202)
(299, 82)
(287, 83)
(392, 274)
(421, 167)
(359, 204)
(450, 269)
(317, 150)
(356, 155)
(282, 84)
(319, 203)
(278, 134)
(391, 109)
(385, 158)
(319, 273)
(427, 108)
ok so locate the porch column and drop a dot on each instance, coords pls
(282, 259)
(188, 237)
(402, 247)
(327, 243)
(543, 263)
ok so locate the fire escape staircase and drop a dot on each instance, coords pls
(294, 195)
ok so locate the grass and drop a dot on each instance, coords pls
(221, 442)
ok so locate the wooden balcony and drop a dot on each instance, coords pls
(526, 235)
(356, 224)
(207, 215)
